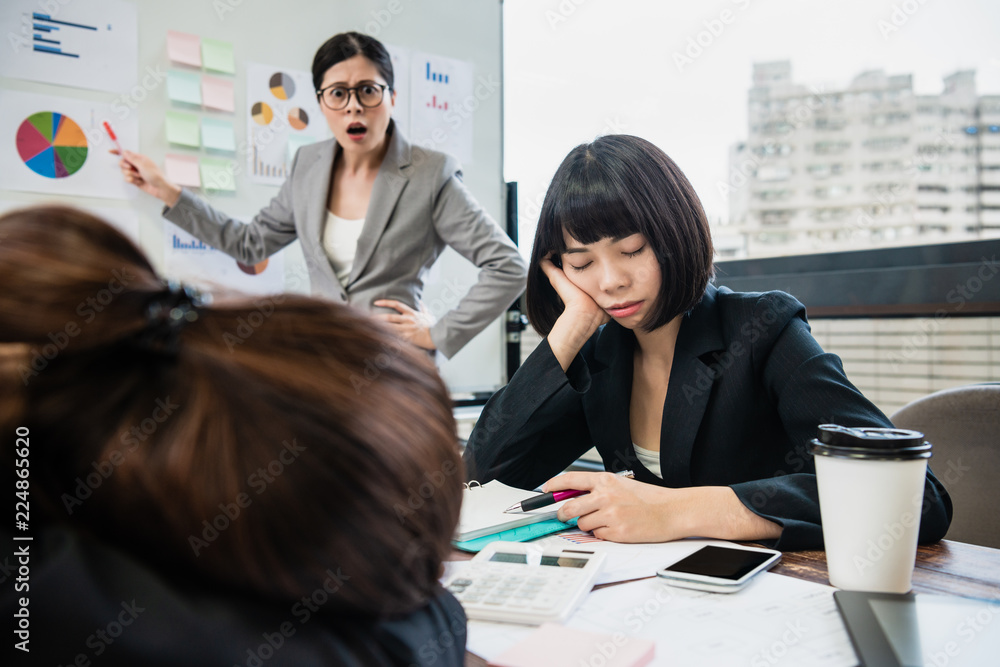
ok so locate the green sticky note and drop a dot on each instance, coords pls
(218, 134)
(217, 174)
(218, 55)
(184, 87)
(182, 129)
(297, 141)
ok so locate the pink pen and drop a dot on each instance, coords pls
(546, 499)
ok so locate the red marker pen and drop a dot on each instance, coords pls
(111, 133)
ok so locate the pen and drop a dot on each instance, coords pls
(546, 499)
(111, 133)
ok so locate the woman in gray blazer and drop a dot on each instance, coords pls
(373, 212)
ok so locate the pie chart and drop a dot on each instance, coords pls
(282, 86)
(261, 113)
(51, 144)
(298, 118)
(252, 269)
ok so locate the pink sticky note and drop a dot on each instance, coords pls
(184, 48)
(183, 170)
(217, 93)
(554, 644)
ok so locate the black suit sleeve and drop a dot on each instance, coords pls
(533, 428)
(809, 387)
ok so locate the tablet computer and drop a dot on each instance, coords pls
(914, 629)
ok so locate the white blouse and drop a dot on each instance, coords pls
(340, 242)
(650, 459)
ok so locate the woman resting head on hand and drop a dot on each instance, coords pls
(275, 467)
(709, 396)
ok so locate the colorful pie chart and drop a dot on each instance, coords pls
(298, 118)
(51, 144)
(261, 113)
(282, 86)
(253, 269)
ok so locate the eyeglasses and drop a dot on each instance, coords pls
(369, 95)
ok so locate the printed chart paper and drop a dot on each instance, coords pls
(442, 104)
(282, 110)
(191, 261)
(58, 146)
(91, 44)
(775, 620)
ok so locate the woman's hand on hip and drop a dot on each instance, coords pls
(409, 324)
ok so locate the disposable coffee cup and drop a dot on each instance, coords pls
(871, 492)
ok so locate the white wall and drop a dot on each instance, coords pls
(286, 34)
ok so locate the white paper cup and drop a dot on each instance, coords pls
(871, 491)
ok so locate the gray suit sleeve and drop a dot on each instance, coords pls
(463, 224)
(271, 230)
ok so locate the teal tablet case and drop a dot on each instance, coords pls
(522, 534)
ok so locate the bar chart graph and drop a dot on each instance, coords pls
(92, 44)
(45, 28)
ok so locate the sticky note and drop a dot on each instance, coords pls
(184, 48)
(183, 170)
(182, 129)
(218, 134)
(217, 93)
(297, 141)
(184, 87)
(554, 644)
(218, 55)
(217, 174)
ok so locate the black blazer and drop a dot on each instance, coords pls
(748, 387)
(90, 599)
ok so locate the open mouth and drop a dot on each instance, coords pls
(356, 130)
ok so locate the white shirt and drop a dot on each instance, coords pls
(650, 459)
(340, 242)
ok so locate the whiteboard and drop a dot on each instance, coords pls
(287, 34)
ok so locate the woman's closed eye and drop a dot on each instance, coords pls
(635, 252)
(579, 268)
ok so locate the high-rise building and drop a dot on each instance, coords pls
(872, 165)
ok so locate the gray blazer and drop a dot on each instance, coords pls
(418, 206)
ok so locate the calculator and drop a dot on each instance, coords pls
(515, 582)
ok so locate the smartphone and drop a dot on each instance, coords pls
(719, 569)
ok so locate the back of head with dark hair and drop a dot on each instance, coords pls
(309, 420)
(614, 187)
(346, 45)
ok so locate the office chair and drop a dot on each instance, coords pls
(963, 424)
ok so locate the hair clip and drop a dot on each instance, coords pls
(166, 313)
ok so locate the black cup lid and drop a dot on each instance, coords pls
(870, 443)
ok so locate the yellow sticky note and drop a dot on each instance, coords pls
(217, 174)
(182, 129)
(218, 55)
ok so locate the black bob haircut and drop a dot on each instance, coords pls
(346, 45)
(614, 187)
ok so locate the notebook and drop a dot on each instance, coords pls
(483, 510)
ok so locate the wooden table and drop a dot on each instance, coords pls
(945, 567)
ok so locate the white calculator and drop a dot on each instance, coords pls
(523, 583)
